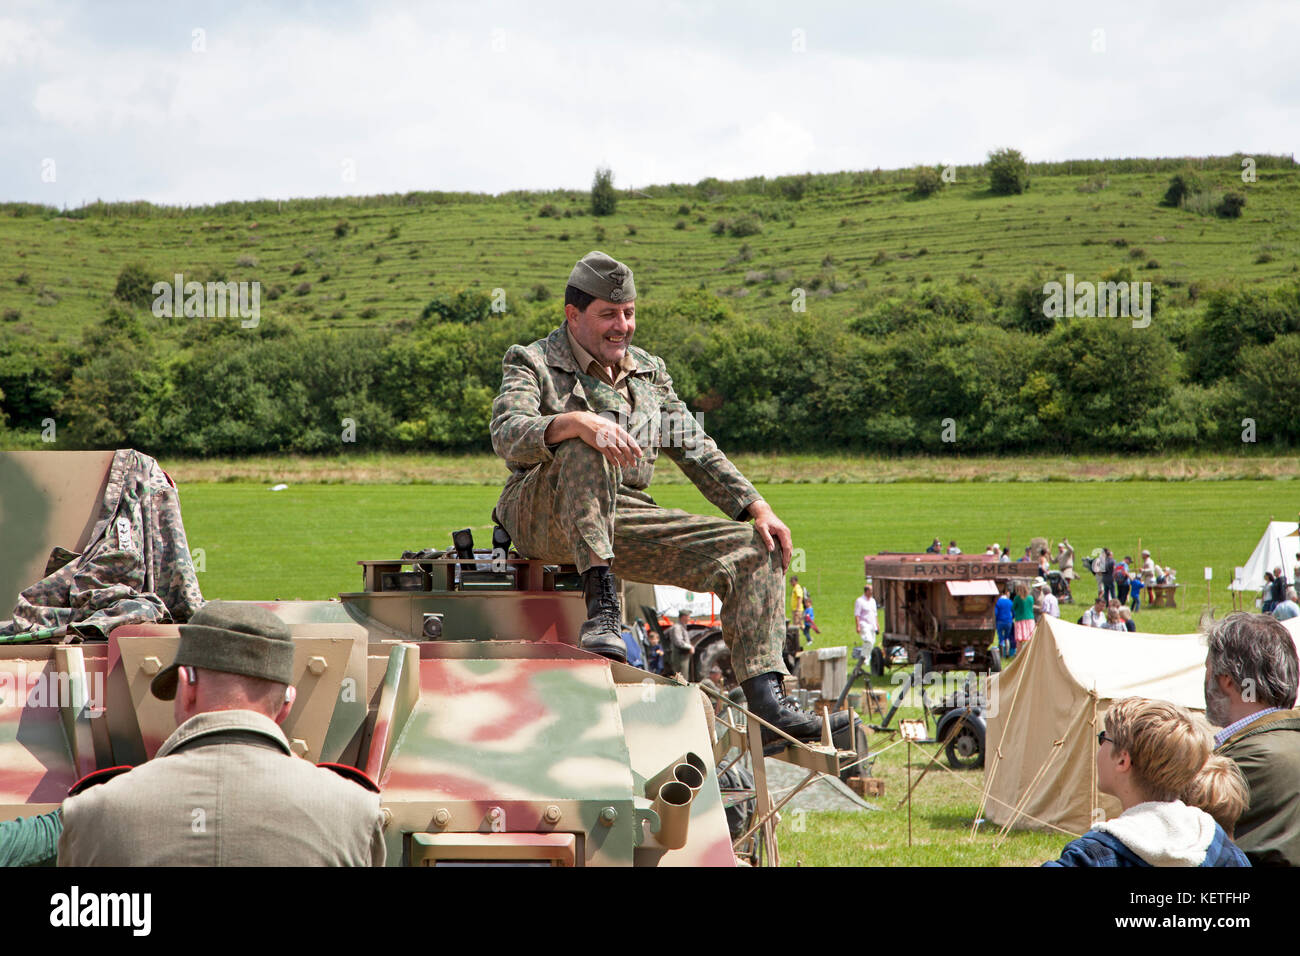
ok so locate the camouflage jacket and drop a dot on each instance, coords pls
(542, 380)
(136, 568)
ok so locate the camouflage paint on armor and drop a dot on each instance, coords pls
(498, 739)
(136, 566)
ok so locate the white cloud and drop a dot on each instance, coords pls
(419, 99)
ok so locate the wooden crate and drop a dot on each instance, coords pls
(867, 786)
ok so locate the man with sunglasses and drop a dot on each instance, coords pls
(225, 789)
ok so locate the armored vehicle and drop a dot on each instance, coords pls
(450, 678)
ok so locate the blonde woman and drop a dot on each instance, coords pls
(1151, 756)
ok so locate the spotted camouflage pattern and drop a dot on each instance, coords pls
(541, 380)
(136, 567)
(569, 504)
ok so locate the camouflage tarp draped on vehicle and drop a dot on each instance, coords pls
(135, 567)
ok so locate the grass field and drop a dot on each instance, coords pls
(380, 261)
(303, 542)
(483, 469)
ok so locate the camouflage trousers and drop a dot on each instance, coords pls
(573, 509)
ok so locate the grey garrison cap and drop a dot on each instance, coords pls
(604, 277)
(234, 638)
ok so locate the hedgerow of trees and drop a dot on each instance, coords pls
(978, 353)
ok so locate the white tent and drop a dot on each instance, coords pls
(667, 600)
(1280, 545)
(1046, 708)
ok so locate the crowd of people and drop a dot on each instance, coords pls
(1109, 614)
(1212, 791)
(1279, 596)
(1125, 580)
(1017, 611)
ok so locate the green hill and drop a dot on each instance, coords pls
(923, 327)
(849, 238)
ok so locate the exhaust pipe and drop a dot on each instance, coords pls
(689, 769)
(673, 790)
(673, 804)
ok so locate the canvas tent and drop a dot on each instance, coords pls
(1280, 545)
(1047, 706)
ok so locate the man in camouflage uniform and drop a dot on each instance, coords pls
(580, 418)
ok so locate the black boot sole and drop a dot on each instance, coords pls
(611, 653)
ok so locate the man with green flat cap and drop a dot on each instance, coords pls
(225, 789)
(580, 419)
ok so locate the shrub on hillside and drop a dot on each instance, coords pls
(465, 306)
(923, 308)
(1203, 203)
(1182, 186)
(743, 226)
(1230, 206)
(792, 187)
(1008, 172)
(603, 198)
(134, 285)
(926, 182)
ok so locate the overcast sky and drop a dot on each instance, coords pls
(202, 102)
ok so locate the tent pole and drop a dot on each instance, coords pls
(1093, 814)
(1019, 809)
(997, 757)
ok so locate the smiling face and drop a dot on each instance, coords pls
(604, 329)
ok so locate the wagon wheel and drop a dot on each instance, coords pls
(965, 751)
(715, 652)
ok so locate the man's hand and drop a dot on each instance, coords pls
(607, 437)
(770, 526)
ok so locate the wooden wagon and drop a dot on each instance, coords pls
(939, 607)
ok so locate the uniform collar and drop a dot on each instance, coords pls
(560, 353)
(584, 359)
(221, 721)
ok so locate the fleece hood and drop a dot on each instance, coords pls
(1164, 834)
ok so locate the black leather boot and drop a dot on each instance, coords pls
(764, 697)
(602, 632)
